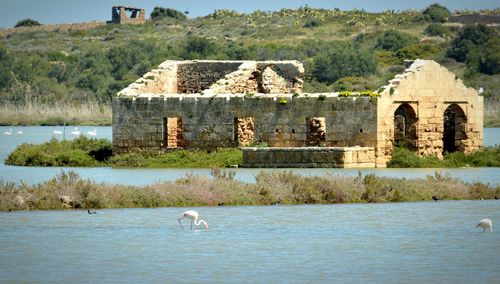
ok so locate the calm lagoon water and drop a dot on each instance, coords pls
(39, 134)
(421, 242)
(424, 242)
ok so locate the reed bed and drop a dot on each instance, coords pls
(58, 114)
(68, 191)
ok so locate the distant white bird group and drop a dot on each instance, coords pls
(57, 132)
(9, 132)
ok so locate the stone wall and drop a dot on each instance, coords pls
(427, 89)
(119, 15)
(210, 122)
(219, 77)
(309, 157)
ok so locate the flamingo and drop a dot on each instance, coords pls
(76, 132)
(486, 224)
(92, 132)
(193, 215)
(8, 132)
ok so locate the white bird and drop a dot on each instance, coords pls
(485, 224)
(92, 132)
(76, 132)
(19, 132)
(193, 215)
(480, 91)
(57, 132)
(8, 132)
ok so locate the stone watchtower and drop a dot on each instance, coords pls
(127, 15)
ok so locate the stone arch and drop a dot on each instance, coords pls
(454, 124)
(405, 126)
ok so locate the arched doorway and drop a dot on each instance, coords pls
(405, 127)
(454, 121)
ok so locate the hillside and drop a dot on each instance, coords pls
(68, 75)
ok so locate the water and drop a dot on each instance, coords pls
(139, 176)
(425, 242)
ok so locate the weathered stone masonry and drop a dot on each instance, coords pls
(212, 104)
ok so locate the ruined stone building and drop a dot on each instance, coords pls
(127, 15)
(214, 104)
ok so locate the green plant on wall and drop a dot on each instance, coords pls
(283, 101)
(322, 97)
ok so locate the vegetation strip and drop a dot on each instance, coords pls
(85, 152)
(68, 191)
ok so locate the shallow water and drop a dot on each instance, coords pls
(141, 176)
(421, 242)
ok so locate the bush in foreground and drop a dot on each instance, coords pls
(68, 191)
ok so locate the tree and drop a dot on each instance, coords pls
(394, 40)
(160, 13)
(198, 47)
(342, 59)
(436, 13)
(27, 23)
(471, 37)
(491, 62)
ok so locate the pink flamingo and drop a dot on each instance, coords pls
(193, 215)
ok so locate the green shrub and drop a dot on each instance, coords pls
(27, 23)
(404, 158)
(417, 51)
(437, 30)
(82, 152)
(437, 13)
(312, 23)
(472, 38)
(343, 60)
(394, 40)
(160, 13)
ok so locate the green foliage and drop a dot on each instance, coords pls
(342, 60)
(491, 62)
(283, 101)
(6, 77)
(312, 23)
(198, 47)
(404, 158)
(27, 23)
(437, 13)
(394, 40)
(73, 153)
(355, 84)
(437, 30)
(417, 51)
(160, 13)
(472, 37)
